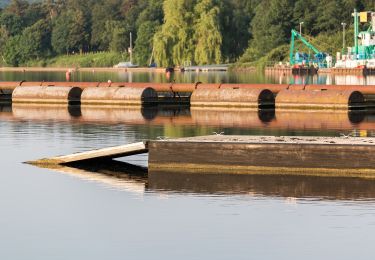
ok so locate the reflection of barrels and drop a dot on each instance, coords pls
(45, 112)
(227, 117)
(119, 96)
(319, 99)
(356, 116)
(45, 94)
(5, 108)
(301, 120)
(267, 115)
(75, 111)
(110, 115)
(149, 113)
(234, 97)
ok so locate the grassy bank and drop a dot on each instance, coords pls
(86, 60)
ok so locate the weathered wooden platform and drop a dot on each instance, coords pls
(264, 155)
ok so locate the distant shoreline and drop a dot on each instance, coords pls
(73, 69)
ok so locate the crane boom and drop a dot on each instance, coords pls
(300, 37)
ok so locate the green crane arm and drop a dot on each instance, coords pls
(300, 37)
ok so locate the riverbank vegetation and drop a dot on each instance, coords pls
(167, 32)
(84, 60)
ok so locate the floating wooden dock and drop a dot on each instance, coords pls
(353, 71)
(264, 155)
(218, 154)
(294, 71)
(279, 69)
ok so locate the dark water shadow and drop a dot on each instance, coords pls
(5, 107)
(305, 187)
(266, 115)
(112, 168)
(325, 188)
(75, 111)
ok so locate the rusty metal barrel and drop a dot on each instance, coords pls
(46, 95)
(234, 97)
(119, 96)
(320, 99)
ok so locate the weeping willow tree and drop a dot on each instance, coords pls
(174, 43)
(207, 35)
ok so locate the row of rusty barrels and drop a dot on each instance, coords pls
(90, 95)
(189, 87)
(204, 97)
(289, 99)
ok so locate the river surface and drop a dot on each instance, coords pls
(117, 212)
(191, 77)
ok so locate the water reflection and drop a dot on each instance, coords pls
(127, 76)
(119, 175)
(189, 77)
(320, 79)
(233, 121)
(265, 185)
(113, 174)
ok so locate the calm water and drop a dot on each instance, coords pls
(119, 213)
(188, 77)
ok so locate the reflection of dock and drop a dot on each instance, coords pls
(120, 176)
(275, 185)
(115, 174)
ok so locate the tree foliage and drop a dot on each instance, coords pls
(207, 35)
(68, 32)
(176, 32)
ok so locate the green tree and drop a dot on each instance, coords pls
(12, 23)
(68, 33)
(35, 41)
(18, 7)
(147, 24)
(306, 11)
(3, 40)
(332, 13)
(235, 17)
(118, 35)
(174, 43)
(34, 13)
(12, 51)
(102, 13)
(144, 43)
(207, 33)
(271, 26)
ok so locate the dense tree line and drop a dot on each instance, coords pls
(173, 32)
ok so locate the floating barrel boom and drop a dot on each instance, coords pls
(319, 99)
(47, 95)
(119, 96)
(234, 97)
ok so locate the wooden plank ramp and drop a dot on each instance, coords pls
(106, 153)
